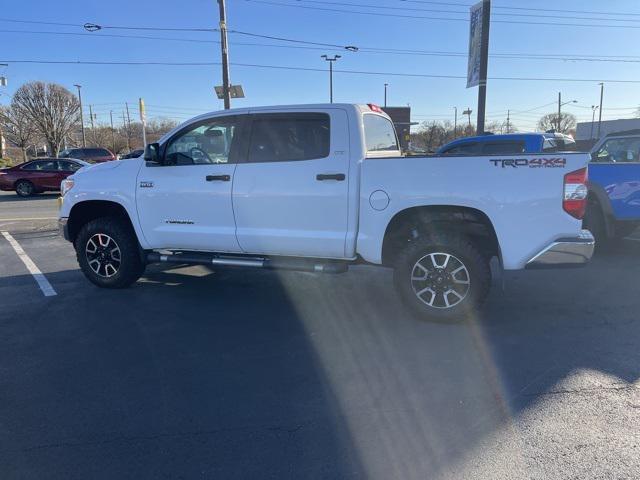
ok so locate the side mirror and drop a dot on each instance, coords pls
(152, 153)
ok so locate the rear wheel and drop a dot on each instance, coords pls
(624, 229)
(108, 253)
(443, 277)
(594, 221)
(24, 188)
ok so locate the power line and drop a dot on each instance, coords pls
(421, 17)
(467, 5)
(311, 69)
(370, 50)
(388, 7)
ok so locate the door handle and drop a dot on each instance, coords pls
(331, 176)
(218, 178)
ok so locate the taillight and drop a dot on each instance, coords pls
(575, 193)
(375, 108)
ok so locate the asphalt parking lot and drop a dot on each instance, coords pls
(199, 373)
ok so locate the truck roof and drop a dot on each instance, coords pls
(244, 110)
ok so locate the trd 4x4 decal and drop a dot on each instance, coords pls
(532, 163)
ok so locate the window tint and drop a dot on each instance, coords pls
(559, 145)
(289, 137)
(204, 143)
(619, 150)
(379, 134)
(506, 148)
(470, 148)
(96, 152)
(42, 165)
(68, 166)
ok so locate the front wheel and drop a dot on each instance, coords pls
(108, 253)
(25, 188)
(443, 277)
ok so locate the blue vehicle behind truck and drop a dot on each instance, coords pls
(613, 208)
(508, 144)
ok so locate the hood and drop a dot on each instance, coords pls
(98, 167)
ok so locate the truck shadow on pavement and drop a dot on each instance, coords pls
(256, 374)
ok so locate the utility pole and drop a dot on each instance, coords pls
(126, 104)
(113, 132)
(508, 119)
(455, 122)
(93, 131)
(600, 112)
(484, 64)
(385, 94)
(560, 104)
(84, 139)
(593, 119)
(331, 60)
(226, 85)
(559, 107)
(468, 113)
(124, 124)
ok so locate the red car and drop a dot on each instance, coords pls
(89, 154)
(41, 175)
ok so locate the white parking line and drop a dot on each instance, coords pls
(26, 219)
(39, 277)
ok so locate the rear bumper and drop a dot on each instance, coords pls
(63, 228)
(565, 253)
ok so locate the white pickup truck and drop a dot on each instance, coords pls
(322, 187)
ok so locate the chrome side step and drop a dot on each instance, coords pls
(273, 263)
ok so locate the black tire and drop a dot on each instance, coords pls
(463, 253)
(96, 242)
(624, 229)
(594, 221)
(24, 188)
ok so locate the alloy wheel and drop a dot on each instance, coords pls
(440, 280)
(103, 255)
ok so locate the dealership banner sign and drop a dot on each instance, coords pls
(475, 45)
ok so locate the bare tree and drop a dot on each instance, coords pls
(19, 130)
(550, 122)
(51, 108)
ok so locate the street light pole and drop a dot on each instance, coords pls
(331, 60)
(385, 94)
(84, 139)
(600, 112)
(226, 85)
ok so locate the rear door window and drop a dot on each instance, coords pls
(470, 148)
(379, 133)
(42, 165)
(503, 148)
(289, 137)
(68, 166)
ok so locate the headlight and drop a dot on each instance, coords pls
(66, 185)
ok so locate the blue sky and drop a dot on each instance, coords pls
(181, 91)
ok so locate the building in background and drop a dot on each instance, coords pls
(401, 117)
(589, 131)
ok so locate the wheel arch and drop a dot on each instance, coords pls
(83, 212)
(406, 224)
(598, 198)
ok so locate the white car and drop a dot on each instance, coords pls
(319, 188)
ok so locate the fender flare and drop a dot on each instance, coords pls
(596, 191)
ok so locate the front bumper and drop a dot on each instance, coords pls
(565, 252)
(63, 228)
